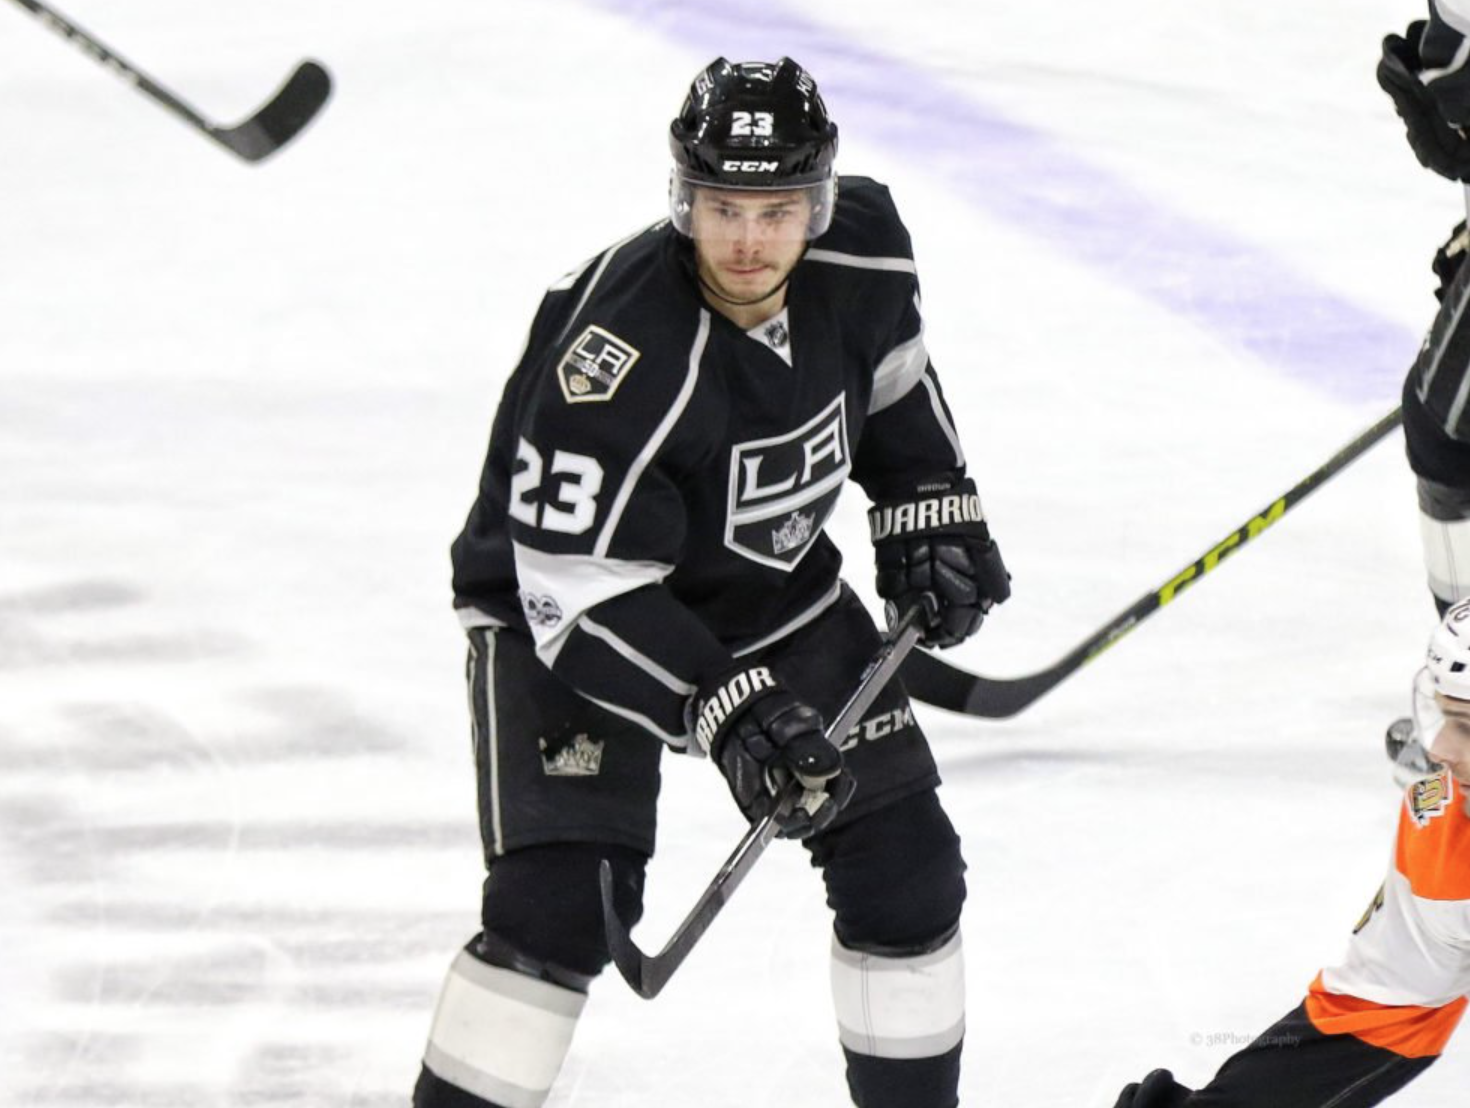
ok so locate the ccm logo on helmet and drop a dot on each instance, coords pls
(734, 165)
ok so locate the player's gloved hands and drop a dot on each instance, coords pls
(761, 736)
(1433, 102)
(1157, 1090)
(938, 544)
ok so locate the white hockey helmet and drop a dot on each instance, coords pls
(1448, 658)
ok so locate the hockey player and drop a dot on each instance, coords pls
(1375, 1021)
(645, 566)
(1425, 73)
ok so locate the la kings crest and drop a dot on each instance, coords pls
(783, 489)
(594, 366)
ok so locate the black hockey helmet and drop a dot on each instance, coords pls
(754, 125)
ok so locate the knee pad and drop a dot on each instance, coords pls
(895, 878)
(542, 909)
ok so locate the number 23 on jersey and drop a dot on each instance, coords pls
(563, 498)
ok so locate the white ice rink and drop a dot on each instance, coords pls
(1174, 255)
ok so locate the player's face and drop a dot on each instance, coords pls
(747, 243)
(1451, 746)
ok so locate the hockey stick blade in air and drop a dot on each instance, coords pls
(281, 119)
(938, 683)
(648, 974)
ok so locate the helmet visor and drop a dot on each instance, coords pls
(1441, 720)
(777, 213)
(1429, 718)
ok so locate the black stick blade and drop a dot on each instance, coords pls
(282, 118)
(941, 685)
(631, 961)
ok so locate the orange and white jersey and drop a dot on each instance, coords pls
(1404, 982)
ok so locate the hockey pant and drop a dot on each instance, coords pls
(1437, 436)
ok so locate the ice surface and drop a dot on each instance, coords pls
(1173, 256)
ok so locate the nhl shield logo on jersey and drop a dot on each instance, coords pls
(595, 366)
(1429, 798)
(782, 489)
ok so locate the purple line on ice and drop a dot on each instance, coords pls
(1238, 292)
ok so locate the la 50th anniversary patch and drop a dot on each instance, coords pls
(595, 366)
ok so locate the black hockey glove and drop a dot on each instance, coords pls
(938, 544)
(1434, 109)
(760, 735)
(1157, 1090)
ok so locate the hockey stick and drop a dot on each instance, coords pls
(942, 685)
(293, 106)
(649, 974)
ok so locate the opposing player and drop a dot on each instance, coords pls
(1425, 73)
(646, 566)
(1375, 1021)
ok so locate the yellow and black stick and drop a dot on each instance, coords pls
(938, 683)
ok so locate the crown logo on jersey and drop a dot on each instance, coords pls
(595, 366)
(793, 533)
(1429, 798)
(580, 758)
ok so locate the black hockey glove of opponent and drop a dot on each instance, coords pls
(1157, 1090)
(1433, 102)
(938, 544)
(761, 735)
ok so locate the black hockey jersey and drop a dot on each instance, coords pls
(652, 502)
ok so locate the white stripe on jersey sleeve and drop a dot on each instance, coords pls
(565, 282)
(1412, 951)
(796, 623)
(637, 657)
(577, 583)
(656, 440)
(858, 261)
(1457, 409)
(682, 742)
(898, 373)
(571, 278)
(1426, 379)
(943, 420)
